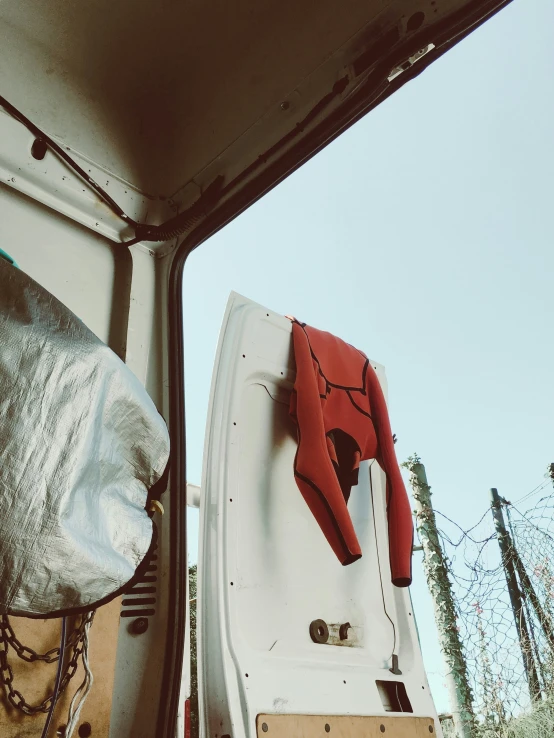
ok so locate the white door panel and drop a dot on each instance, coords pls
(267, 571)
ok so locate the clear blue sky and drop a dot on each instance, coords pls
(424, 236)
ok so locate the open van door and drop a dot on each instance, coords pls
(291, 643)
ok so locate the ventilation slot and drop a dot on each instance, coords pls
(139, 600)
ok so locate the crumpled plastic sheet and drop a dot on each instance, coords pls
(81, 443)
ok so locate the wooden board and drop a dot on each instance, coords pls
(35, 681)
(343, 726)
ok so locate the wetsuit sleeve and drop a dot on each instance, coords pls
(399, 513)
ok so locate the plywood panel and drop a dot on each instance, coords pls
(343, 726)
(35, 681)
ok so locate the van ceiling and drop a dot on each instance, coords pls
(167, 94)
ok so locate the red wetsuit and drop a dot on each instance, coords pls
(342, 419)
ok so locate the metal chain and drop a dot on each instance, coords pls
(26, 653)
(8, 638)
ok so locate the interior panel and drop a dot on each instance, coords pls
(157, 92)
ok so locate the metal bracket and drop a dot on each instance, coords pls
(394, 668)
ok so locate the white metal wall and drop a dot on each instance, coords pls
(73, 263)
(120, 295)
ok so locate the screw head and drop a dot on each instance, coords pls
(139, 626)
(265, 727)
(382, 728)
(285, 105)
(430, 729)
(85, 730)
(327, 728)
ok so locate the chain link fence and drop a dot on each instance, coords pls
(510, 661)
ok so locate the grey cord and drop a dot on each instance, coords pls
(379, 563)
(398, 699)
(46, 728)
